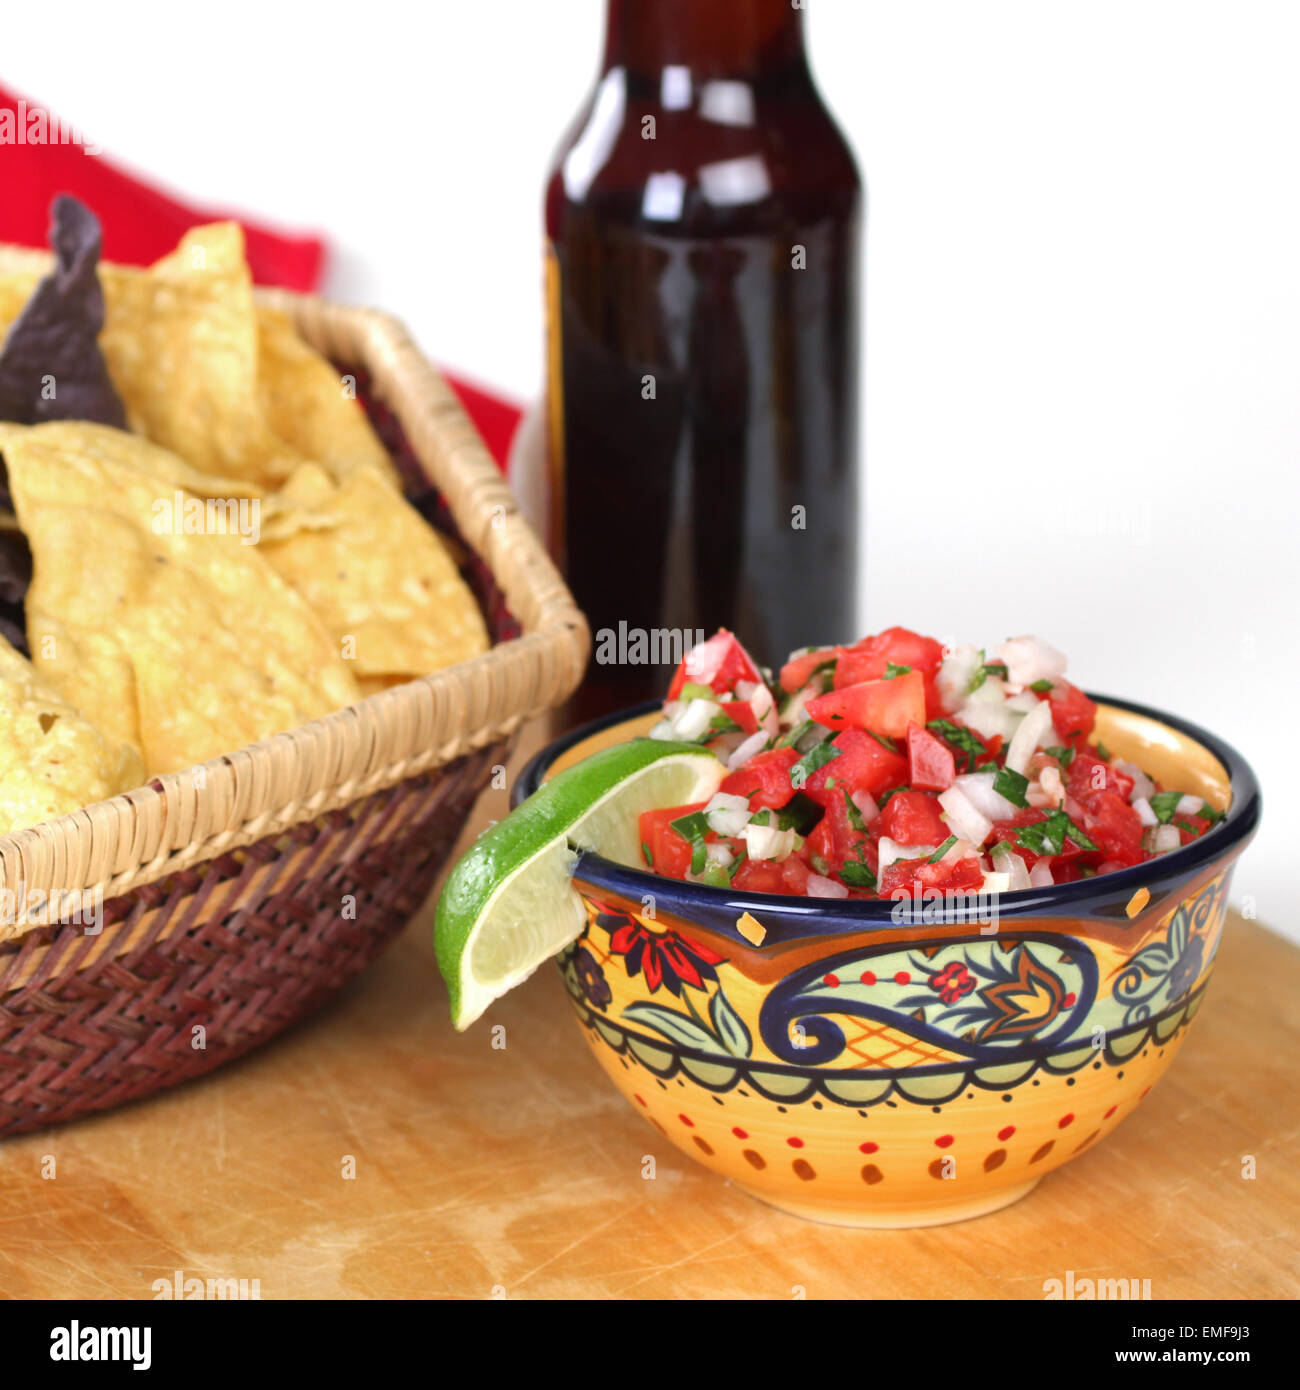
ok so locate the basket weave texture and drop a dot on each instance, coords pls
(238, 900)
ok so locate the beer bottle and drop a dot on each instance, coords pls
(703, 222)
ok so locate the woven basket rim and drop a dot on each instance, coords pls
(187, 817)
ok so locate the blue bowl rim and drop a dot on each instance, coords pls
(1157, 875)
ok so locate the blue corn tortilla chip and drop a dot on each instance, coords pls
(51, 367)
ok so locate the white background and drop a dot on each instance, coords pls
(1083, 400)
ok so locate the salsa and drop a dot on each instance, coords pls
(897, 766)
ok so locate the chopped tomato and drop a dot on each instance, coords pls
(863, 764)
(1087, 774)
(741, 713)
(759, 876)
(1073, 713)
(765, 778)
(670, 854)
(794, 874)
(1114, 825)
(798, 671)
(884, 706)
(931, 765)
(871, 658)
(718, 663)
(913, 818)
(952, 876)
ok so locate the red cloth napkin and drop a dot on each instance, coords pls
(141, 224)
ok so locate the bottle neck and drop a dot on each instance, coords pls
(743, 39)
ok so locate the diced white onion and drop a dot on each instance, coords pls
(1007, 861)
(1030, 659)
(988, 720)
(818, 886)
(959, 849)
(1144, 812)
(1189, 805)
(866, 805)
(663, 730)
(891, 851)
(965, 820)
(1164, 838)
(1143, 786)
(1040, 876)
(764, 707)
(993, 691)
(727, 815)
(995, 883)
(744, 689)
(719, 854)
(956, 671)
(767, 842)
(977, 788)
(1050, 781)
(694, 719)
(755, 743)
(1035, 729)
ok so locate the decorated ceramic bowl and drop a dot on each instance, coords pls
(885, 1064)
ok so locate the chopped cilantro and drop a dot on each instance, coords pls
(891, 670)
(1207, 812)
(855, 816)
(693, 829)
(884, 740)
(816, 757)
(1064, 756)
(886, 795)
(723, 724)
(647, 855)
(1048, 836)
(1102, 751)
(1041, 687)
(1011, 784)
(792, 736)
(943, 849)
(960, 738)
(1164, 804)
(857, 874)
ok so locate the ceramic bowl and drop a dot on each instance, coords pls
(883, 1064)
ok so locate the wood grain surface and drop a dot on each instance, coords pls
(373, 1152)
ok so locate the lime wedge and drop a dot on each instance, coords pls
(509, 903)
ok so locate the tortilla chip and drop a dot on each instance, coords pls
(228, 386)
(181, 344)
(185, 644)
(52, 760)
(378, 577)
(305, 402)
(51, 367)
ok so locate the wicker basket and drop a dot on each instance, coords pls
(224, 918)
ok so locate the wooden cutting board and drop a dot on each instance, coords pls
(373, 1152)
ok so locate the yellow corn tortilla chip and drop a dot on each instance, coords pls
(304, 400)
(376, 574)
(52, 760)
(227, 385)
(185, 643)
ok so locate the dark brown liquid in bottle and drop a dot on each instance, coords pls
(705, 300)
